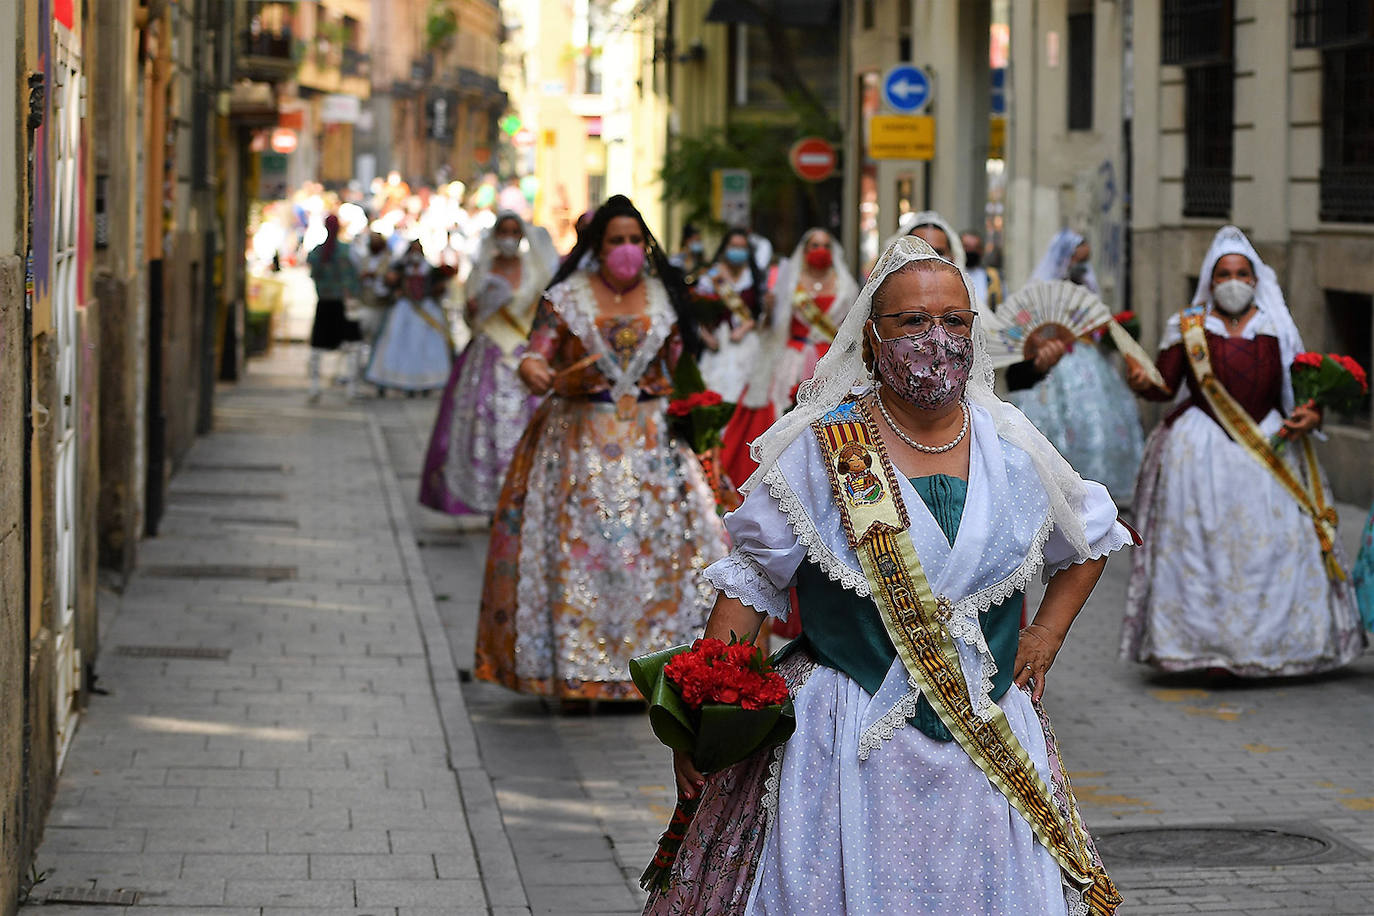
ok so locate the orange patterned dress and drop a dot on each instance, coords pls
(605, 522)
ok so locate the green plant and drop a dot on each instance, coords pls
(440, 25)
(30, 881)
(760, 148)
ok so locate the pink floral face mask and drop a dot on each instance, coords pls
(929, 372)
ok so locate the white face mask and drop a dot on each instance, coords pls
(1233, 296)
(507, 247)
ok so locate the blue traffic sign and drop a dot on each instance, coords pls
(906, 88)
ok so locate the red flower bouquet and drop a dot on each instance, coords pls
(1329, 381)
(1129, 323)
(697, 416)
(719, 702)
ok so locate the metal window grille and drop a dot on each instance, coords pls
(1209, 105)
(1347, 172)
(1080, 71)
(1195, 31)
(1332, 23)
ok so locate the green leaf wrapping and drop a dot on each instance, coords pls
(716, 736)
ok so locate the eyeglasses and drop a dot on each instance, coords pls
(958, 322)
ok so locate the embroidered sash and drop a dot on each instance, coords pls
(733, 301)
(814, 315)
(1245, 432)
(864, 487)
(433, 322)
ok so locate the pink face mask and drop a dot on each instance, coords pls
(625, 262)
(930, 372)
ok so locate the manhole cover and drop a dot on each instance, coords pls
(90, 896)
(221, 571)
(171, 652)
(1222, 846)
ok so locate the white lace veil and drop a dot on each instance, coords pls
(1268, 298)
(846, 288)
(537, 251)
(913, 221)
(842, 371)
(758, 390)
(1055, 264)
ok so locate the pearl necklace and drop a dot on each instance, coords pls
(928, 449)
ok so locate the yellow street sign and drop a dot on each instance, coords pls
(901, 137)
(997, 137)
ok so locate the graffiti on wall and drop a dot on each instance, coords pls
(1097, 210)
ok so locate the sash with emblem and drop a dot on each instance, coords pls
(864, 487)
(733, 301)
(1245, 432)
(805, 305)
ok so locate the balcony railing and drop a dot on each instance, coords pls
(1207, 192)
(1347, 194)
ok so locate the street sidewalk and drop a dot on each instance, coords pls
(318, 758)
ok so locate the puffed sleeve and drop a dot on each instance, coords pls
(763, 564)
(1105, 532)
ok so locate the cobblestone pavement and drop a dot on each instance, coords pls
(335, 763)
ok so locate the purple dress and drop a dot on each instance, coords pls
(485, 406)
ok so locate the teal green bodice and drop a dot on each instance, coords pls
(844, 631)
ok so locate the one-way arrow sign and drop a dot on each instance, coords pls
(906, 88)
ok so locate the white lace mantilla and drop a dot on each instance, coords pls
(576, 304)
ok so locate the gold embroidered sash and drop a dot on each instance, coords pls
(733, 301)
(433, 322)
(1245, 432)
(814, 315)
(864, 487)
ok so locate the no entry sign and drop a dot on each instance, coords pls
(813, 159)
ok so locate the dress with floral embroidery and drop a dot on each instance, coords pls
(605, 523)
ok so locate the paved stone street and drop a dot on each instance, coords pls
(337, 761)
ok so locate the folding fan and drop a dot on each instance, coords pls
(1056, 309)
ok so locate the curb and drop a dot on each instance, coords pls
(496, 865)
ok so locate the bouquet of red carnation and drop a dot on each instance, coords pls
(1329, 381)
(696, 414)
(719, 702)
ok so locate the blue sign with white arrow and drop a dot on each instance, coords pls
(906, 88)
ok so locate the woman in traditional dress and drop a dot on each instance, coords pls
(913, 597)
(811, 297)
(1082, 404)
(336, 279)
(486, 406)
(413, 351)
(1241, 569)
(731, 346)
(605, 522)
